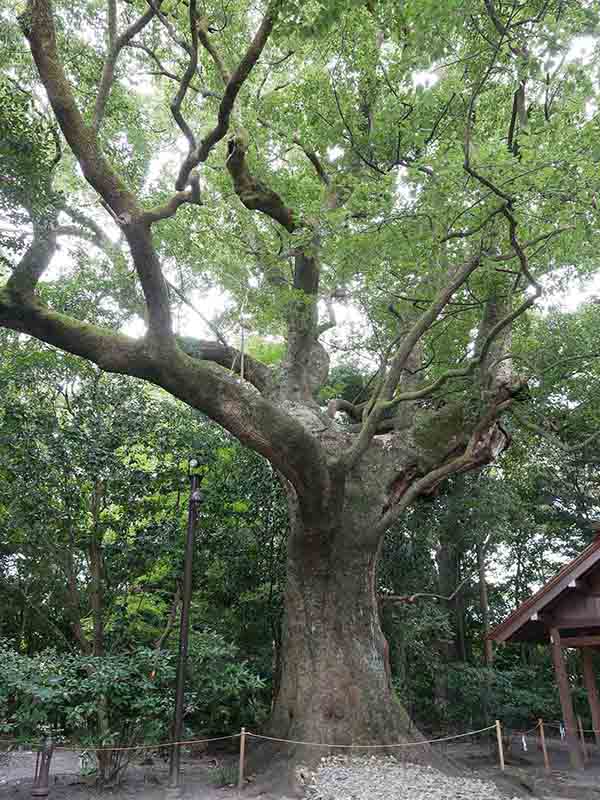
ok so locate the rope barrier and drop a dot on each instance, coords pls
(560, 726)
(515, 732)
(585, 730)
(564, 727)
(371, 746)
(83, 747)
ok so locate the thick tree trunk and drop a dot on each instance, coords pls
(334, 684)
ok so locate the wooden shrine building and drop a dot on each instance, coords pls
(565, 613)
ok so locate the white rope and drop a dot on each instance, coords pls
(268, 738)
(91, 748)
(371, 746)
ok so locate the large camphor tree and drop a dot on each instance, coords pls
(429, 168)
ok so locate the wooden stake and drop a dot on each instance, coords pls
(582, 738)
(544, 748)
(242, 758)
(500, 745)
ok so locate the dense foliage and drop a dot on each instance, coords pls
(61, 429)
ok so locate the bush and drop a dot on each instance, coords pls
(518, 696)
(61, 693)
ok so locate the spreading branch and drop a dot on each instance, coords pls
(166, 73)
(543, 237)
(501, 325)
(115, 46)
(212, 51)
(239, 408)
(191, 195)
(186, 80)
(466, 232)
(399, 361)
(40, 31)
(200, 153)
(38, 26)
(412, 598)
(551, 437)
(487, 440)
(308, 152)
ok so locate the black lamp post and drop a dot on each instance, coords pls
(42, 769)
(184, 630)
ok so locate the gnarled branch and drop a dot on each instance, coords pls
(40, 31)
(253, 194)
(199, 154)
(257, 373)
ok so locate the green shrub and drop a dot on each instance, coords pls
(518, 696)
(61, 693)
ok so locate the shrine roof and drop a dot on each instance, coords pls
(569, 600)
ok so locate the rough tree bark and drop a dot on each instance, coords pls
(334, 685)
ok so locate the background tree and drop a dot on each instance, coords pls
(93, 502)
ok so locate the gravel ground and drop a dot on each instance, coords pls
(387, 779)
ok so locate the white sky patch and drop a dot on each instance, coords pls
(136, 328)
(576, 296)
(168, 161)
(404, 190)
(425, 79)
(582, 48)
(211, 303)
(140, 83)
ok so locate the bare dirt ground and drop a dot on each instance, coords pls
(202, 775)
(525, 768)
(200, 779)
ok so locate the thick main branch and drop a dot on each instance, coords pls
(39, 28)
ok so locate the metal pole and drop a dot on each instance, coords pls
(42, 769)
(195, 498)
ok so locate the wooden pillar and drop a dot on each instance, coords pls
(566, 700)
(592, 689)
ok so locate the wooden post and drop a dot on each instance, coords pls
(543, 743)
(582, 738)
(591, 686)
(500, 745)
(242, 759)
(566, 700)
